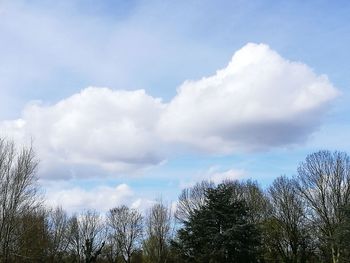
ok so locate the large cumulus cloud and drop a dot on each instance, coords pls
(113, 129)
(259, 101)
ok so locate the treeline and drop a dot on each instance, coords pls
(301, 219)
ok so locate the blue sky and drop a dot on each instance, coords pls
(189, 123)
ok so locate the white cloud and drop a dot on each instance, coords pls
(214, 174)
(219, 176)
(113, 129)
(142, 204)
(259, 101)
(100, 198)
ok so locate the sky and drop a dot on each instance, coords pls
(128, 102)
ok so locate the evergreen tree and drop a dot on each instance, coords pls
(219, 231)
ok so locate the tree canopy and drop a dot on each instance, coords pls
(219, 230)
(301, 219)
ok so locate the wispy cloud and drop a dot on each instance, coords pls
(49, 52)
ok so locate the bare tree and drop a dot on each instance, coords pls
(91, 229)
(192, 199)
(111, 251)
(290, 226)
(127, 227)
(18, 191)
(256, 200)
(159, 230)
(85, 235)
(75, 242)
(324, 182)
(32, 237)
(58, 231)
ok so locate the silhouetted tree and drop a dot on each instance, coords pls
(288, 231)
(127, 230)
(58, 232)
(158, 230)
(18, 192)
(324, 183)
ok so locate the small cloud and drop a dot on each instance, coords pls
(100, 198)
(214, 174)
(142, 204)
(232, 174)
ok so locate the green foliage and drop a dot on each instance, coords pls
(343, 235)
(219, 231)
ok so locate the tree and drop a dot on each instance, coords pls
(18, 192)
(75, 242)
(158, 228)
(58, 230)
(85, 236)
(111, 252)
(324, 183)
(90, 230)
(343, 235)
(192, 199)
(219, 231)
(250, 192)
(127, 227)
(288, 232)
(32, 238)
